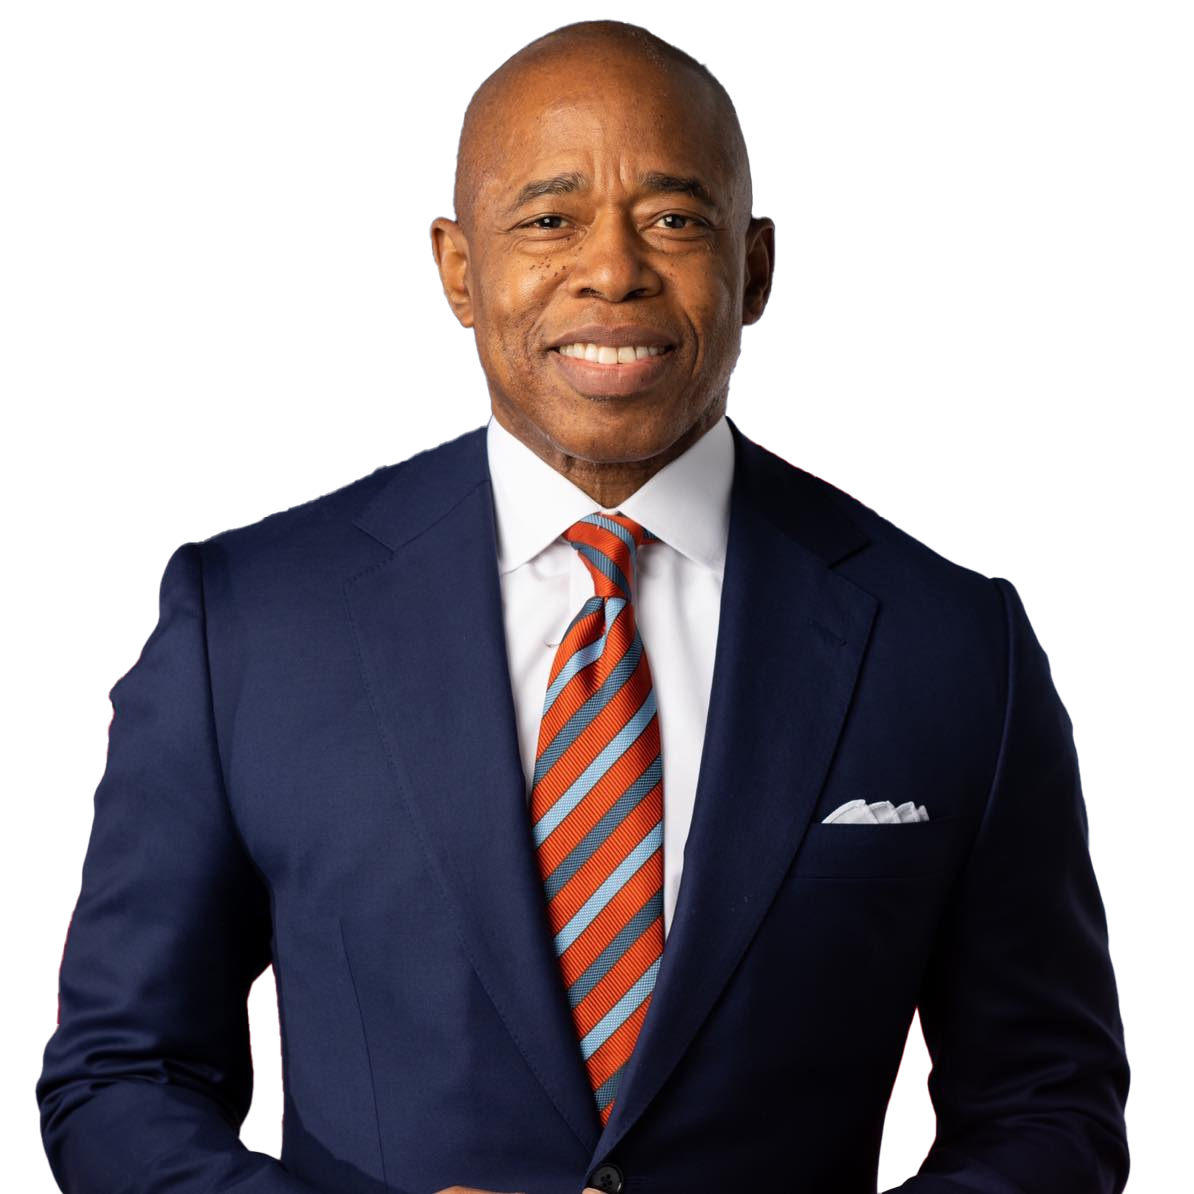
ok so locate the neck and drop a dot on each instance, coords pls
(607, 482)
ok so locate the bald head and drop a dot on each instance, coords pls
(589, 48)
(604, 251)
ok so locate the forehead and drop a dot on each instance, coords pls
(606, 120)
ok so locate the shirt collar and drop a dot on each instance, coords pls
(686, 503)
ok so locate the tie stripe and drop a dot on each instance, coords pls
(596, 807)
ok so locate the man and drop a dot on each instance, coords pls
(606, 792)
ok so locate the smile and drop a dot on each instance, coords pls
(612, 371)
(608, 354)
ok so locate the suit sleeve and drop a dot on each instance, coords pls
(1019, 1007)
(148, 1075)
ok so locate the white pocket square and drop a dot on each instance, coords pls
(882, 812)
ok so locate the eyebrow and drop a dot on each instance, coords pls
(654, 182)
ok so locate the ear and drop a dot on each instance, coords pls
(759, 266)
(450, 249)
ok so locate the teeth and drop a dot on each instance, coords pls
(607, 354)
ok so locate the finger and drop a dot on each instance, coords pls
(473, 1190)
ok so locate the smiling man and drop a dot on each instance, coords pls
(607, 792)
(604, 251)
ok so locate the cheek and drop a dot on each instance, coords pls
(516, 298)
(708, 288)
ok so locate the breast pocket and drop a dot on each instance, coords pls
(903, 851)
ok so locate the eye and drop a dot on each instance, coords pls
(686, 221)
(543, 223)
(536, 223)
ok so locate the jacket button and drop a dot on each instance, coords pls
(607, 1177)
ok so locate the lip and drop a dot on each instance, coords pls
(593, 380)
(618, 335)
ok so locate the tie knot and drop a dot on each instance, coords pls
(608, 544)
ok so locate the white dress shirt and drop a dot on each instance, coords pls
(544, 583)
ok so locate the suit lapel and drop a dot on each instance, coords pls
(791, 636)
(429, 629)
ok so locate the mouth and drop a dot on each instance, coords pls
(662, 351)
(598, 370)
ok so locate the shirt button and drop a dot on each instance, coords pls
(607, 1177)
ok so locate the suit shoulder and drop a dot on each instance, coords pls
(896, 542)
(303, 522)
(948, 616)
(402, 488)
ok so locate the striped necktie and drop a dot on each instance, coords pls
(596, 808)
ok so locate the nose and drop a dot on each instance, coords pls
(612, 262)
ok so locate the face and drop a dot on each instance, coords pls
(610, 262)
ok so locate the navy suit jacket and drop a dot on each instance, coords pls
(314, 763)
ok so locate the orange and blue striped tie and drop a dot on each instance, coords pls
(596, 808)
